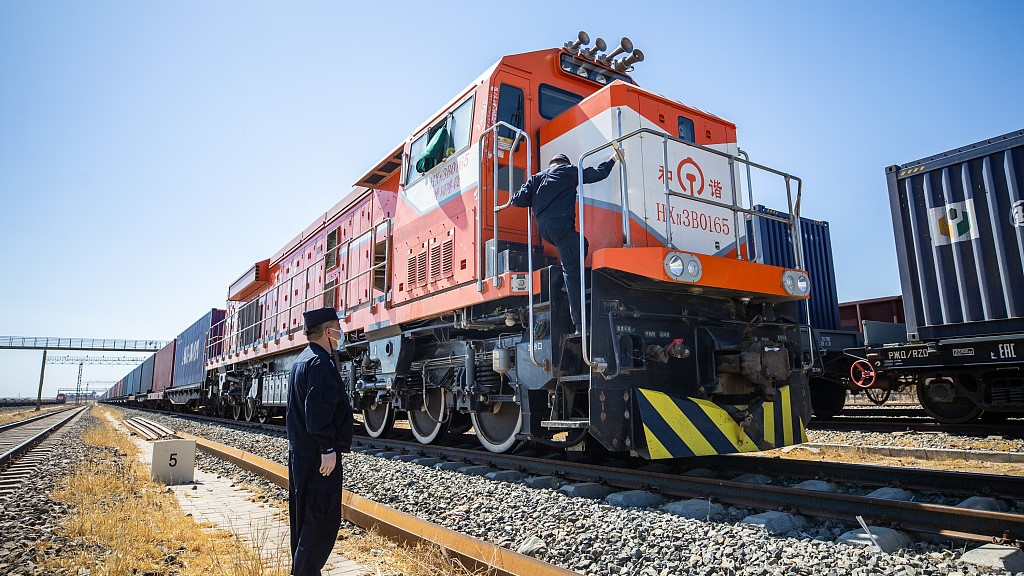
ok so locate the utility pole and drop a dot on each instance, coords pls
(78, 389)
(42, 370)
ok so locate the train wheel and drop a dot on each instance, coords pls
(827, 398)
(939, 400)
(496, 428)
(262, 415)
(250, 410)
(236, 411)
(460, 423)
(424, 421)
(379, 419)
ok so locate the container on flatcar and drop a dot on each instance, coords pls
(772, 243)
(134, 378)
(958, 218)
(146, 385)
(163, 370)
(190, 351)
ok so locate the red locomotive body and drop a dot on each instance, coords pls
(452, 313)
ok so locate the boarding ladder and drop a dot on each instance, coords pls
(520, 135)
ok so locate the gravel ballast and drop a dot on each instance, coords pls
(592, 536)
(30, 519)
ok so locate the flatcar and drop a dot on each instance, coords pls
(956, 335)
(454, 311)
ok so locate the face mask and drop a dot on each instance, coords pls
(333, 336)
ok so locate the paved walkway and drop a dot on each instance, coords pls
(264, 528)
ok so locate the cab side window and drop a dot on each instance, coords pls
(510, 109)
(444, 139)
(554, 101)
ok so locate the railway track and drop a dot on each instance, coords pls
(913, 421)
(671, 479)
(27, 443)
(480, 555)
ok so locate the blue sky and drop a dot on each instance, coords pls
(150, 152)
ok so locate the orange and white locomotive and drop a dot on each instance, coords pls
(453, 309)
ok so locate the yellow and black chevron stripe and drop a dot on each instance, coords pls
(680, 427)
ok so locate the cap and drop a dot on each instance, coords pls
(562, 158)
(314, 318)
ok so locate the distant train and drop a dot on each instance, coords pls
(11, 402)
(454, 312)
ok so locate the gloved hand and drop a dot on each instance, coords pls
(617, 147)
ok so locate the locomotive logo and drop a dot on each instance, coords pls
(690, 177)
(1017, 214)
(953, 223)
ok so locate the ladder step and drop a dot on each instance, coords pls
(575, 378)
(570, 424)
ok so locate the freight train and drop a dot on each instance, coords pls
(957, 335)
(454, 311)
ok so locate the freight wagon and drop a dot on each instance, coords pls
(958, 219)
(956, 335)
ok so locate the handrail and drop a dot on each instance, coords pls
(793, 220)
(750, 196)
(480, 197)
(529, 216)
(373, 232)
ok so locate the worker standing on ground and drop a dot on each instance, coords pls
(552, 194)
(319, 420)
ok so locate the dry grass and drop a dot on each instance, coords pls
(384, 556)
(22, 412)
(134, 526)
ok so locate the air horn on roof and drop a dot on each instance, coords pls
(599, 46)
(582, 39)
(626, 64)
(624, 46)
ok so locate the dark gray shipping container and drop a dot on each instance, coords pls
(772, 243)
(146, 385)
(958, 219)
(190, 354)
(132, 385)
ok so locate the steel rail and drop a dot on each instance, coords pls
(943, 481)
(950, 521)
(11, 425)
(8, 456)
(394, 524)
(929, 518)
(1012, 429)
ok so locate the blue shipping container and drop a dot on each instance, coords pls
(146, 385)
(190, 354)
(773, 244)
(133, 380)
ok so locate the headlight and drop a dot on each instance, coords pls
(796, 283)
(803, 284)
(683, 267)
(675, 265)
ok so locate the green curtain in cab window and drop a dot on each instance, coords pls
(433, 154)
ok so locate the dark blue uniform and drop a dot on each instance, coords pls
(552, 193)
(319, 421)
